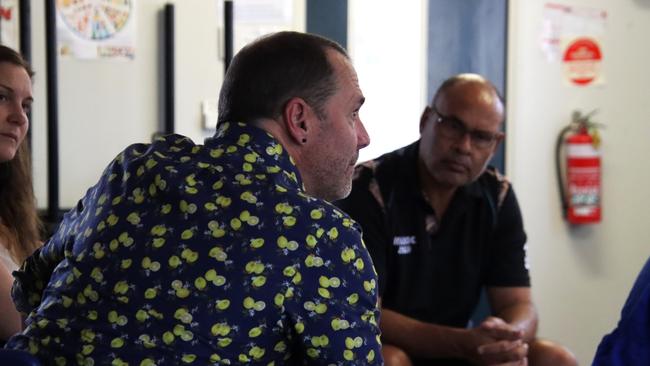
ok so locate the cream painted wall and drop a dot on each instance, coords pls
(37, 124)
(106, 105)
(581, 276)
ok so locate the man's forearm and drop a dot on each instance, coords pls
(421, 339)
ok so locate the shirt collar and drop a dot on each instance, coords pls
(267, 152)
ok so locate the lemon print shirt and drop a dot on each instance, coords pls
(201, 254)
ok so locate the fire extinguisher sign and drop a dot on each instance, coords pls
(582, 61)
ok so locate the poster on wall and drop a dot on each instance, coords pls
(9, 31)
(572, 35)
(96, 29)
(582, 61)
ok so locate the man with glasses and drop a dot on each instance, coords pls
(441, 226)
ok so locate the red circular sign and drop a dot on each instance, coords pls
(582, 60)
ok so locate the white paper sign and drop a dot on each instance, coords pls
(561, 22)
(94, 29)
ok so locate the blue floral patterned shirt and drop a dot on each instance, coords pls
(201, 254)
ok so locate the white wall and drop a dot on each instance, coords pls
(106, 105)
(37, 124)
(581, 276)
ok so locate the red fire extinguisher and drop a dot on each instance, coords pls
(580, 184)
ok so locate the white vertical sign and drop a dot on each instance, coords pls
(387, 42)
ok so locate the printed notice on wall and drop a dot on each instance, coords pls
(96, 29)
(254, 18)
(563, 21)
(572, 35)
(9, 32)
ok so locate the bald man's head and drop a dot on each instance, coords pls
(468, 80)
(461, 130)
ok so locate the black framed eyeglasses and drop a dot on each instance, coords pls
(455, 129)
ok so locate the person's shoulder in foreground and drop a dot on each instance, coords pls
(629, 342)
(224, 253)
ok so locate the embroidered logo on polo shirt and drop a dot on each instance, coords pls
(404, 244)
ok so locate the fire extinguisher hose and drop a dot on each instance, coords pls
(558, 170)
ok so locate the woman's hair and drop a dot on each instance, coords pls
(20, 226)
(9, 55)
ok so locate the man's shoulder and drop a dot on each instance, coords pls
(319, 211)
(492, 173)
(387, 167)
(162, 147)
(164, 151)
(495, 183)
(141, 170)
(376, 178)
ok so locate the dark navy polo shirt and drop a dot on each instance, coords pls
(434, 271)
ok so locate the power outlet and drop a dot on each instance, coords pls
(209, 114)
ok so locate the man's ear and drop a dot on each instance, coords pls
(297, 115)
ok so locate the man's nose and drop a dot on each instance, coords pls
(464, 142)
(363, 139)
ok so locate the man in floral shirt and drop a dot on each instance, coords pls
(222, 253)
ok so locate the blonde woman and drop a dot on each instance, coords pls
(19, 224)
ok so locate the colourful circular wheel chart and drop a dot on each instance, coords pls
(95, 20)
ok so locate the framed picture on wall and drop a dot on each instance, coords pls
(91, 29)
